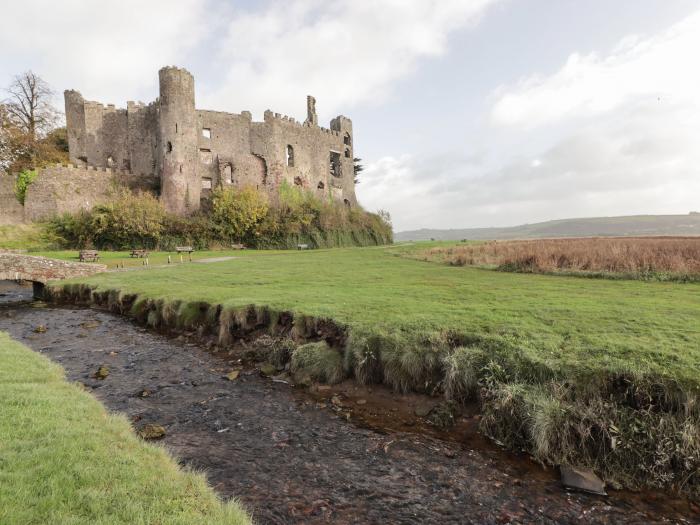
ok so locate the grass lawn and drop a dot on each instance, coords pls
(565, 322)
(22, 237)
(595, 372)
(65, 460)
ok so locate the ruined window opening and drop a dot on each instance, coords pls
(176, 127)
(110, 162)
(180, 168)
(206, 133)
(298, 181)
(290, 156)
(346, 202)
(206, 183)
(205, 156)
(169, 147)
(321, 185)
(347, 140)
(347, 153)
(334, 167)
(227, 174)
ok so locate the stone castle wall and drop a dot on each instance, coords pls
(66, 189)
(11, 211)
(181, 154)
(193, 151)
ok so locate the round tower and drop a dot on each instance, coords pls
(177, 144)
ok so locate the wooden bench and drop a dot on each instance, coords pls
(89, 255)
(139, 253)
(184, 249)
(302, 246)
(238, 246)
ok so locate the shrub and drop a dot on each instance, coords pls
(24, 179)
(236, 216)
(238, 213)
(129, 221)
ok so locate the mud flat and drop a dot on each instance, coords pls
(330, 455)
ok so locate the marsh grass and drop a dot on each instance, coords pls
(64, 459)
(647, 258)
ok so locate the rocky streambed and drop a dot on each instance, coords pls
(341, 454)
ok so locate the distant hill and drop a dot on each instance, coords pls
(635, 225)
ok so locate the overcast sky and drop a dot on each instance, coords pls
(466, 113)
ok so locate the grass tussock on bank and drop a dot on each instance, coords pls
(64, 459)
(647, 258)
(603, 374)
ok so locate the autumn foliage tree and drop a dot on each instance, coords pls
(29, 136)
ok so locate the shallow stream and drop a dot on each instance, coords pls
(335, 455)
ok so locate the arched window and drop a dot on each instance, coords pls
(347, 140)
(321, 185)
(169, 147)
(290, 156)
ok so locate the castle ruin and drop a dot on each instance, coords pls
(192, 151)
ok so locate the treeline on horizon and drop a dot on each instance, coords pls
(235, 216)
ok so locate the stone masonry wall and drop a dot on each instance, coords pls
(14, 266)
(68, 189)
(11, 211)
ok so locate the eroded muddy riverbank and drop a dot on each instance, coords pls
(292, 457)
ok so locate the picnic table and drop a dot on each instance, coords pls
(139, 253)
(302, 246)
(184, 249)
(88, 255)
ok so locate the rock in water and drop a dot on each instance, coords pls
(582, 479)
(102, 372)
(233, 375)
(151, 431)
(40, 329)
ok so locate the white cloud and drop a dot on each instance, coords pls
(108, 50)
(270, 55)
(625, 134)
(661, 68)
(342, 51)
(642, 158)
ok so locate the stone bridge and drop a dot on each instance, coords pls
(40, 270)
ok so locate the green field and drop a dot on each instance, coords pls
(65, 460)
(573, 370)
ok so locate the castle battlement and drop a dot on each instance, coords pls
(194, 151)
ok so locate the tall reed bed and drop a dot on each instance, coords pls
(662, 258)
